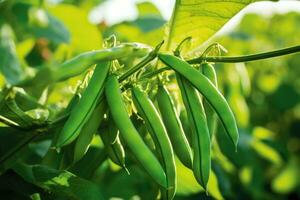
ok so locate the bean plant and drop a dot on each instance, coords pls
(137, 109)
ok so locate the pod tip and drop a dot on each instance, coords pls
(206, 191)
(126, 169)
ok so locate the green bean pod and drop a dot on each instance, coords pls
(112, 144)
(88, 130)
(209, 71)
(129, 133)
(82, 62)
(174, 127)
(71, 105)
(155, 126)
(200, 132)
(81, 113)
(208, 90)
(186, 125)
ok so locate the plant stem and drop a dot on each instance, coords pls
(136, 67)
(153, 73)
(246, 58)
(151, 56)
(233, 59)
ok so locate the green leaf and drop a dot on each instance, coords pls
(63, 184)
(34, 22)
(84, 36)
(200, 19)
(148, 30)
(146, 9)
(13, 147)
(45, 25)
(9, 63)
(13, 112)
(149, 23)
(25, 101)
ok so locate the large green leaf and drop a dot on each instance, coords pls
(10, 66)
(200, 19)
(146, 9)
(34, 22)
(84, 35)
(62, 184)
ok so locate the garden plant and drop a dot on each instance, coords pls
(144, 109)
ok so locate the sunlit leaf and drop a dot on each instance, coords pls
(62, 184)
(84, 35)
(200, 19)
(149, 23)
(36, 22)
(147, 8)
(148, 33)
(49, 27)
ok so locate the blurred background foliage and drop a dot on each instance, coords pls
(264, 95)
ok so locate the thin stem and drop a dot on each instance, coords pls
(246, 58)
(179, 47)
(10, 123)
(233, 59)
(154, 73)
(136, 67)
(152, 55)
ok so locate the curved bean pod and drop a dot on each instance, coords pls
(82, 62)
(112, 144)
(174, 127)
(155, 126)
(129, 133)
(88, 130)
(200, 132)
(81, 113)
(208, 90)
(209, 71)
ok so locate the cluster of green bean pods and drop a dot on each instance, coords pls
(103, 110)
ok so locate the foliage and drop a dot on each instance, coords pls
(40, 40)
